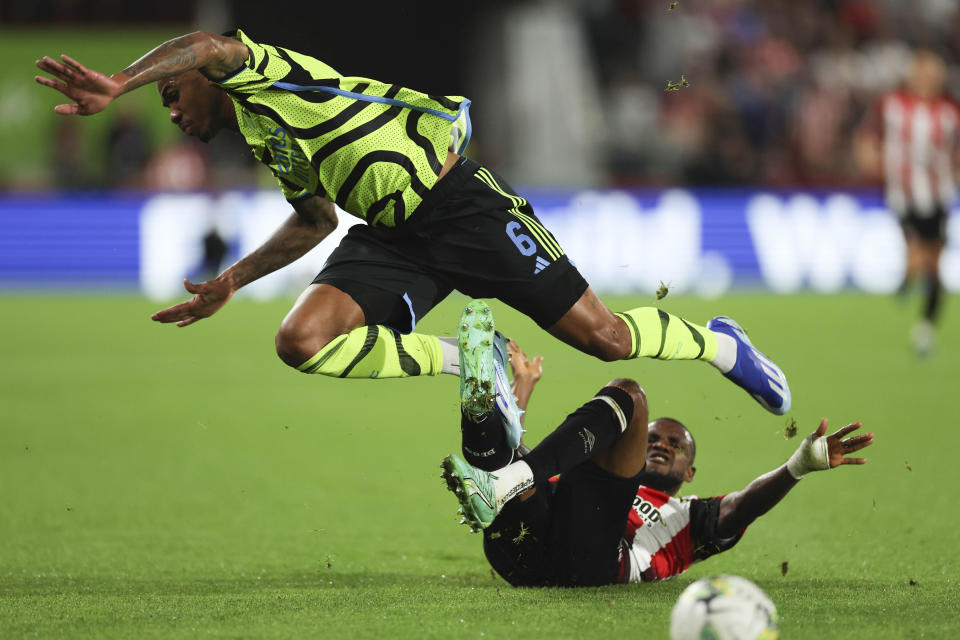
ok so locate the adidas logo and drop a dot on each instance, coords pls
(541, 265)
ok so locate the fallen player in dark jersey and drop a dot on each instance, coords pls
(612, 515)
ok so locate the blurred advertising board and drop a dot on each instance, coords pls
(702, 242)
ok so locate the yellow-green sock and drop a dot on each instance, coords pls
(377, 351)
(657, 334)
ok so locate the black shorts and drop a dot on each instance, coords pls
(931, 227)
(568, 533)
(471, 233)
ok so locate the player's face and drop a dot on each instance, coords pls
(670, 450)
(195, 104)
(928, 76)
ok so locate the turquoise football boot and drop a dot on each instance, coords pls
(474, 490)
(475, 338)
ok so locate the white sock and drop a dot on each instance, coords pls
(511, 481)
(726, 352)
(451, 355)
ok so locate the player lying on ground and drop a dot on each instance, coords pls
(613, 515)
(437, 220)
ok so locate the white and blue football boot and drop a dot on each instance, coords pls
(754, 372)
(506, 402)
(484, 385)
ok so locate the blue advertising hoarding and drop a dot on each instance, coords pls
(700, 241)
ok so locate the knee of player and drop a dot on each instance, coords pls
(295, 345)
(608, 346)
(637, 394)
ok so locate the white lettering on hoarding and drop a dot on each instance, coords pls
(833, 244)
(622, 248)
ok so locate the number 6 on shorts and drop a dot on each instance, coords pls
(525, 245)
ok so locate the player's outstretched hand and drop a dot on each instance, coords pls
(523, 367)
(91, 91)
(209, 297)
(838, 447)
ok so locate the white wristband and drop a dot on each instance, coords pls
(812, 455)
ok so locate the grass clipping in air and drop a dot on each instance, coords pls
(675, 86)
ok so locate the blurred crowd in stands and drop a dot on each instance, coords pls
(133, 161)
(777, 88)
(770, 92)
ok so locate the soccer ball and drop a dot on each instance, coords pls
(724, 608)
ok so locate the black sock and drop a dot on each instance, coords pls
(591, 428)
(484, 443)
(934, 296)
(904, 287)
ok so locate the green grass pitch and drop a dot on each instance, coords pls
(162, 482)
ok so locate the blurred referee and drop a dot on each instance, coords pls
(911, 136)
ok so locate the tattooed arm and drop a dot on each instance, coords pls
(313, 220)
(214, 56)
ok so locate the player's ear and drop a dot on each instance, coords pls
(689, 473)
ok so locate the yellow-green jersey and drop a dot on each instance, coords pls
(373, 148)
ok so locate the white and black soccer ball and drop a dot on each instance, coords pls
(724, 608)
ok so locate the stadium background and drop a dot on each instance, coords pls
(153, 484)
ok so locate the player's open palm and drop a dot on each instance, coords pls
(91, 91)
(839, 446)
(207, 300)
(522, 365)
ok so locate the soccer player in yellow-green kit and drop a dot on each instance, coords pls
(436, 221)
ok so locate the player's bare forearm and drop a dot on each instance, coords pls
(739, 509)
(817, 452)
(214, 56)
(522, 390)
(526, 374)
(90, 91)
(313, 220)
